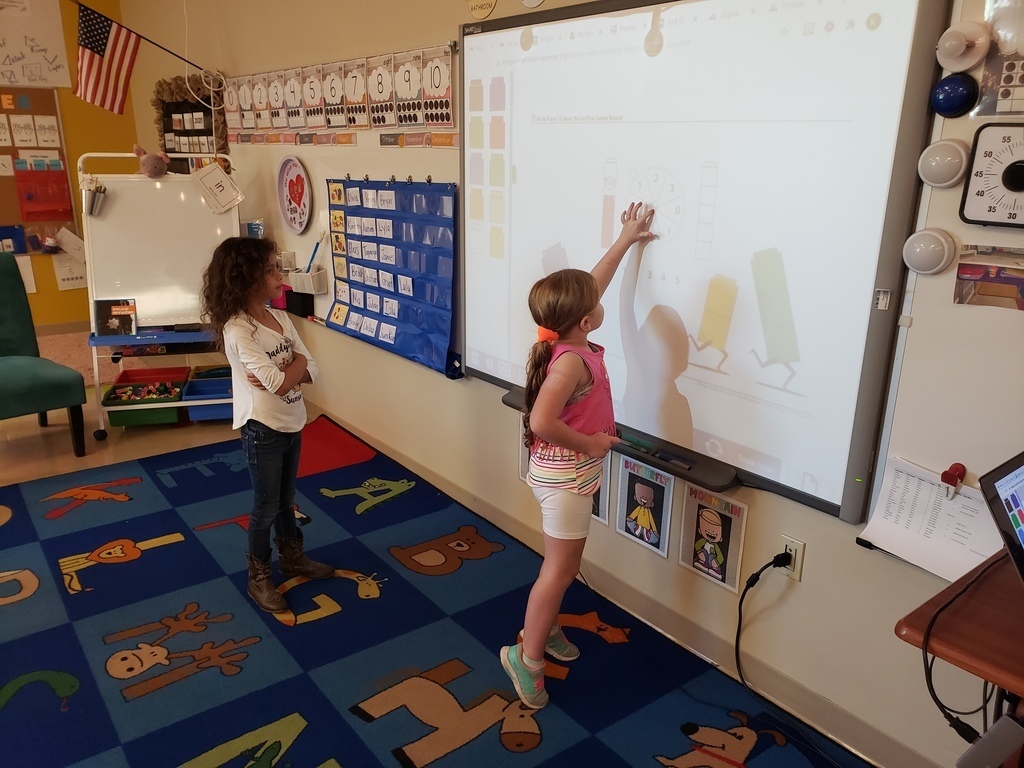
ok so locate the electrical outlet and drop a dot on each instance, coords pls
(795, 569)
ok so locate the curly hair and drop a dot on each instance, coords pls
(234, 273)
(558, 302)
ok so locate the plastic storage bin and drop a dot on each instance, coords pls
(210, 372)
(137, 380)
(207, 389)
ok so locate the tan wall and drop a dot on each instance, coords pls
(824, 646)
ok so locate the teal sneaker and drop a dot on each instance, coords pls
(560, 647)
(529, 683)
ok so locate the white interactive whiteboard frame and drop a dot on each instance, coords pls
(873, 345)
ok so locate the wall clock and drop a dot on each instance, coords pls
(994, 192)
(293, 194)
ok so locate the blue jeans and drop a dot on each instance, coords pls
(273, 464)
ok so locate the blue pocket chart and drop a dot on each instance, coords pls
(397, 291)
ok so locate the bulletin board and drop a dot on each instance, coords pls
(393, 246)
(35, 190)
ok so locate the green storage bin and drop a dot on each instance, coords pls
(136, 380)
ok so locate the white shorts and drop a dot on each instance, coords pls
(566, 515)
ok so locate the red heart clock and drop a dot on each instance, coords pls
(293, 194)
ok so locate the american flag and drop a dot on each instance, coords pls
(106, 55)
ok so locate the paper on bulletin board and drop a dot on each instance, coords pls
(27, 275)
(33, 40)
(69, 272)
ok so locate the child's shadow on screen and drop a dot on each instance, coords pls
(656, 354)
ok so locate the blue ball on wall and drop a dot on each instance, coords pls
(954, 95)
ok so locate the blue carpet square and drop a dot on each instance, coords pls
(188, 476)
(289, 723)
(29, 597)
(399, 665)
(617, 653)
(49, 702)
(376, 493)
(365, 603)
(164, 675)
(125, 562)
(454, 557)
(221, 524)
(15, 524)
(80, 500)
(114, 758)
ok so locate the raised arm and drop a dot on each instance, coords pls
(636, 227)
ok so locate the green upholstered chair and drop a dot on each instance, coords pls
(29, 383)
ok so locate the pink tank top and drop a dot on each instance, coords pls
(593, 413)
(552, 466)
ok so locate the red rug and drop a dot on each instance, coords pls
(327, 445)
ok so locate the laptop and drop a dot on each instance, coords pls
(1003, 488)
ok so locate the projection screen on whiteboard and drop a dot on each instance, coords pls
(777, 143)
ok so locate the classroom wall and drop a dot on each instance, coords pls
(87, 128)
(824, 647)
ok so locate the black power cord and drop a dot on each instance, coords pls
(781, 560)
(966, 731)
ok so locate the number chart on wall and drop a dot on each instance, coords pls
(741, 333)
(393, 247)
(407, 89)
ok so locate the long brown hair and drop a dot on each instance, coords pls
(234, 273)
(558, 302)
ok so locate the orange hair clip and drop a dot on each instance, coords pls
(545, 334)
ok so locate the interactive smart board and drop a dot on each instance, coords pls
(777, 142)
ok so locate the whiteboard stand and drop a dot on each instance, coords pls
(150, 241)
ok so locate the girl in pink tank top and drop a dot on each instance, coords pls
(569, 427)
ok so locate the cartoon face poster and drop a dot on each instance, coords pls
(712, 537)
(644, 510)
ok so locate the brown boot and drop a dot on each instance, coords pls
(293, 562)
(262, 589)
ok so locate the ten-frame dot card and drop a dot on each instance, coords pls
(232, 110)
(380, 87)
(293, 99)
(334, 95)
(275, 95)
(313, 98)
(408, 88)
(245, 103)
(354, 75)
(261, 102)
(437, 87)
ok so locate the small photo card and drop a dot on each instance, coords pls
(644, 509)
(712, 536)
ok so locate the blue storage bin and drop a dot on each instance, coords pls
(205, 389)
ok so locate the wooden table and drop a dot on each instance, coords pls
(982, 630)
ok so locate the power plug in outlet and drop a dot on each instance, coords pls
(795, 569)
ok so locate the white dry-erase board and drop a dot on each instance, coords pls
(778, 144)
(150, 242)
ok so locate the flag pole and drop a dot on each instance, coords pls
(142, 37)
